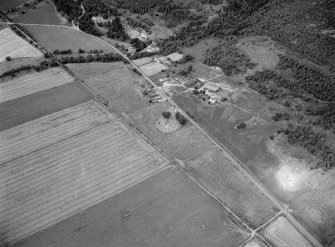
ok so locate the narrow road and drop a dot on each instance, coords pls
(223, 149)
(227, 153)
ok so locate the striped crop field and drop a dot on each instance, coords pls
(33, 83)
(42, 188)
(283, 234)
(14, 46)
(26, 138)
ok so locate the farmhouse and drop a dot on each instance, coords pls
(97, 19)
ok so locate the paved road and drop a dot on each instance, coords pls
(224, 150)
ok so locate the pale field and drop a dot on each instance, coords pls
(49, 185)
(64, 38)
(153, 68)
(159, 32)
(165, 210)
(51, 129)
(33, 83)
(14, 46)
(142, 61)
(283, 234)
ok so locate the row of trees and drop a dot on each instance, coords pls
(105, 58)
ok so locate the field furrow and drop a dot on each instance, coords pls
(34, 135)
(43, 187)
(283, 234)
(33, 83)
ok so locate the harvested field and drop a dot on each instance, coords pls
(153, 68)
(283, 234)
(185, 143)
(44, 187)
(44, 13)
(33, 83)
(119, 86)
(165, 210)
(218, 175)
(9, 4)
(51, 129)
(14, 46)
(28, 108)
(142, 61)
(64, 38)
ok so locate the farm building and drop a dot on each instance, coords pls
(97, 19)
(212, 87)
(175, 57)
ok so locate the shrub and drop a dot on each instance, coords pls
(8, 58)
(166, 114)
(241, 126)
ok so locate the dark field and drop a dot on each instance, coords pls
(18, 111)
(8, 4)
(165, 210)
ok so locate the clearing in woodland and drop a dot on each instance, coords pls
(11, 45)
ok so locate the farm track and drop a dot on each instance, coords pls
(42, 132)
(49, 185)
(33, 83)
(224, 150)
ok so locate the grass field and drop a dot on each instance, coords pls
(53, 183)
(199, 50)
(283, 234)
(63, 38)
(33, 83)
(153, 68)
(51, 129)
(142, 61)
(28, 108)
(222, 179)
(115, 83)
(9, 4)
(165, 210)
(186, 143)
(255, 243)
(14, 46)
(44, 13)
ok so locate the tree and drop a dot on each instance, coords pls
(8, 58)
(241, 126)
(166, 114)
(180, 118)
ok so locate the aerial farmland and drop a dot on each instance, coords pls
(167, 123)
